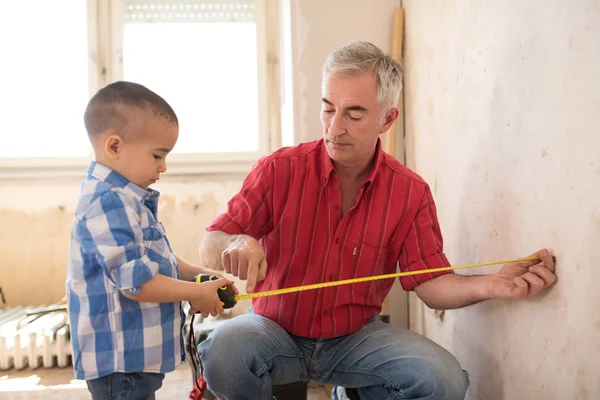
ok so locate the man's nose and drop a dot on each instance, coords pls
(337, 127)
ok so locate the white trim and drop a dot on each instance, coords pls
(94, 62)
(75, 168)
(273, 52)
(262, 50)
(117, 21)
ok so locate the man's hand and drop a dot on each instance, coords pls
(206, 298)
(245, 258)
(519, 280)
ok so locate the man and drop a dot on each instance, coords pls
(341, 208)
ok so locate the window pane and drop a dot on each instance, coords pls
(43, 78)
(205, 66)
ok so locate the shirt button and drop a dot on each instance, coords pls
(337, 207)
(324, 181)
(325, 313)
(330, 277)
(337, 240)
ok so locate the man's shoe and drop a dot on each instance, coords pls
(340, 393)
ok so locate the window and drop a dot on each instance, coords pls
(202, 57)
(214, 61)
(43, 78)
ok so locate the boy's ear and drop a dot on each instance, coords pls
(112, 146)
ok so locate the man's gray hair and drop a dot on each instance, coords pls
(357, 57)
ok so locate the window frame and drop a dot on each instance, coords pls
(105, 59)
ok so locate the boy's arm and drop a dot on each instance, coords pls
(189, 271)
(111, 232)
(162, 289)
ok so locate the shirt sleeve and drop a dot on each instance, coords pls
(250, 211)
(111, 232)
(423, 246)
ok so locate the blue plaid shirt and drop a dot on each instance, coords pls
(118, 244)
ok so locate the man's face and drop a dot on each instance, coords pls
(352, 119)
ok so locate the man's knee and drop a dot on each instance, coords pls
(435, 377)
(444, 378)
(424, 369)
(235, 340)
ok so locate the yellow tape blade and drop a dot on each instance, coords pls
(371, 278)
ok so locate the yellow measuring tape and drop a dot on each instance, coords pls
(371, 278)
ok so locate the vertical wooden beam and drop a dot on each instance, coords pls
(392, 134)
(397, 41)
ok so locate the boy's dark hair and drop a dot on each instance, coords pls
(111, 107)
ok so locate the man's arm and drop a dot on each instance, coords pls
(452, 291)
(212, 247)
(239, 255)
(515, 281)
(231, 241)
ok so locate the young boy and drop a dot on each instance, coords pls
(124, 285)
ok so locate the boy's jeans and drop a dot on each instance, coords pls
(125, 386)
(246, 356)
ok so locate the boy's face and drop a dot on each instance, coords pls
(140, 155)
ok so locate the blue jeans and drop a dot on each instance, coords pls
(243, 358)
(125, 386)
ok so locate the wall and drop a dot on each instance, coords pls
(35, 221)
(317, 28)
(502, 119)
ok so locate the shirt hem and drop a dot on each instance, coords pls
(124, 371)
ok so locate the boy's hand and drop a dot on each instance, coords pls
(207, 301)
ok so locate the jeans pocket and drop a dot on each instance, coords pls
(121, 386)
(99, 388)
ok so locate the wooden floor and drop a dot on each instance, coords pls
(58, 384)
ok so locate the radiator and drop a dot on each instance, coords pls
(33, 341)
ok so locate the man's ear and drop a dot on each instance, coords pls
(390, 117)
(112, 146)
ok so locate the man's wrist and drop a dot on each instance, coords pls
(241, 238)
(484, 287)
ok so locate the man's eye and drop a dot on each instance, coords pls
(157, 157)
(328, 111)
(353, 118)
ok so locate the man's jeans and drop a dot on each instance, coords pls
(125, 386)
(243, 358)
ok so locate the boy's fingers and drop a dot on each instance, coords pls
(234, 289)
(220, 282)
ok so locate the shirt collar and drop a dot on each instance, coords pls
(114, 179)
(327, 165)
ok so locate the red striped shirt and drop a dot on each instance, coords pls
(291, 202)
